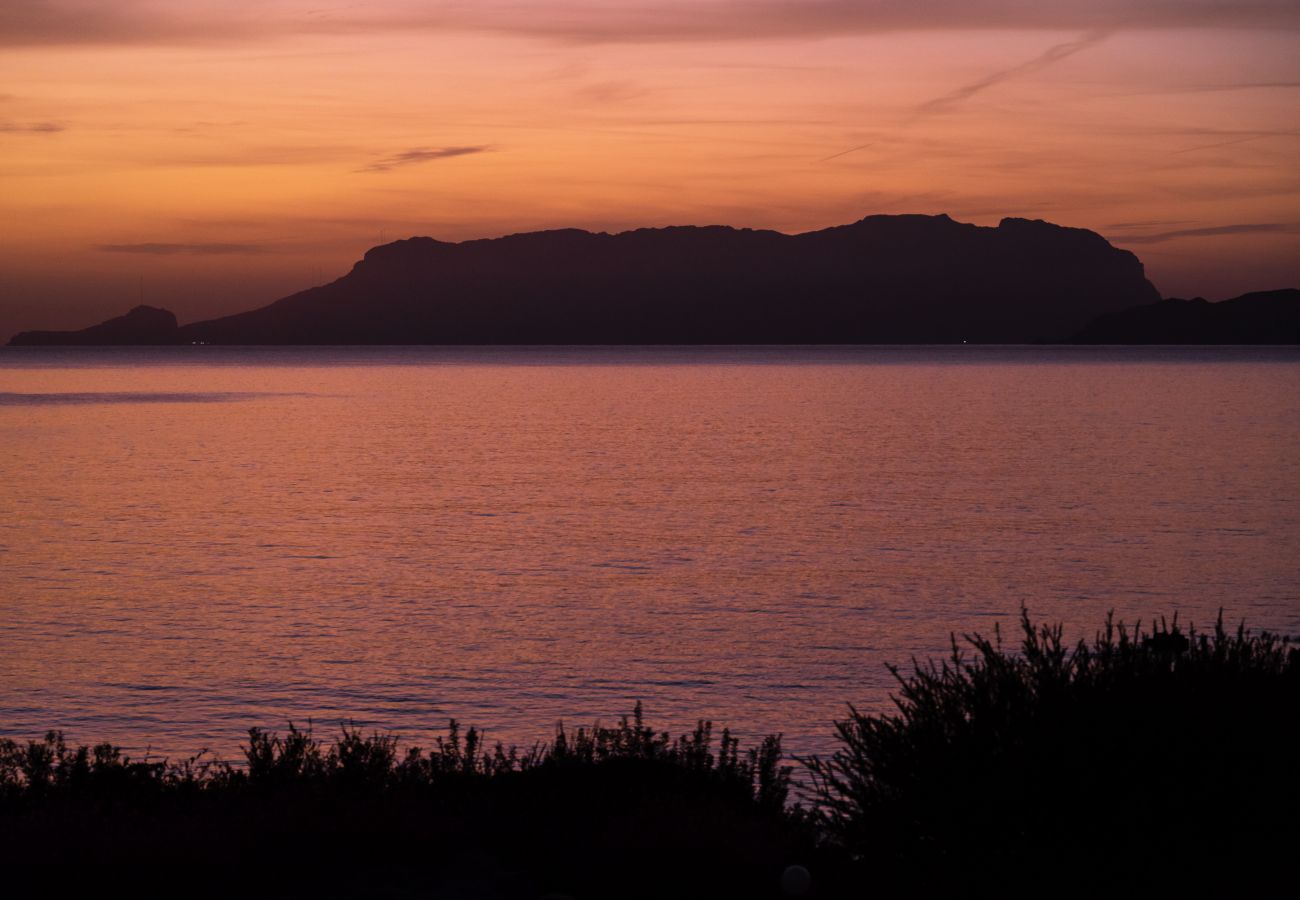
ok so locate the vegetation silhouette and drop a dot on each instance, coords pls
(596, 808)
(1143, 762)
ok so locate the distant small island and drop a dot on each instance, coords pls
(1263, 317)
(907, 279)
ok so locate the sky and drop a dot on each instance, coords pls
(210, 156)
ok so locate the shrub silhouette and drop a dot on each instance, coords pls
(1138, 762)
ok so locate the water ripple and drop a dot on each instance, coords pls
(78, 398)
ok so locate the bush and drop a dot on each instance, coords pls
(1143, 761)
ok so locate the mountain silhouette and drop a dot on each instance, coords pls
(1264, 317)
(883, 279)
(142, 325)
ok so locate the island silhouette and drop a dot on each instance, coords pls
(1263, 317)
(912, 279)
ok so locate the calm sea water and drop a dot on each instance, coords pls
(195, 541)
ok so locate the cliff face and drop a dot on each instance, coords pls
(1265, 317)
(884, 279)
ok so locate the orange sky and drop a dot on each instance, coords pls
(227, 153)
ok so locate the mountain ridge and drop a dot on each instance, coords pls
(880, 279)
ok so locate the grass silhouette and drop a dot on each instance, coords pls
(595, 807)
(1150, 762)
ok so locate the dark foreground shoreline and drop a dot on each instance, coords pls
(1146, 762)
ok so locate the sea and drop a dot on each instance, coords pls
(198, 540)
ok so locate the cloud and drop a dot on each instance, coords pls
(594, 21)
(53, 22)
(31, 128)
(45, 22)
(420, 155)
(1241, 138)
(1048, 57)
(1225, 87)
(1215, 231)
(615, 92)
(1125, 226)
(200, 249)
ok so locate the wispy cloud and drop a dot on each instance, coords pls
(1127, 226)
(36, 22)
(59, 22)
(1241, 138)
(1221, 88)
(420, 155)
(611, 93)
(31, 128)
(200, 249)
(1213, 231)
(607, 21)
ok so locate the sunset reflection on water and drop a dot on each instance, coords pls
(518, 537)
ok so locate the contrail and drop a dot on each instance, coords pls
(948, 101)
(1048, 57)
(848, 151)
